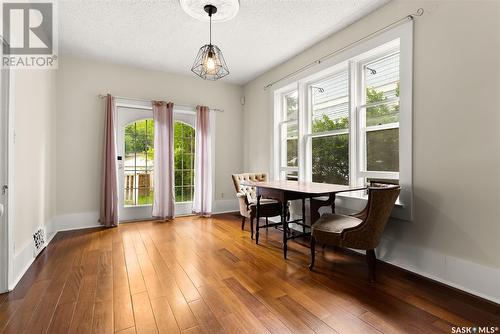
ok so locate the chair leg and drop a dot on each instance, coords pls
(257, 226)
(243, 222)
(371, 259)
(251, 226)
(267, 222)
(313, 252)
(257, 219)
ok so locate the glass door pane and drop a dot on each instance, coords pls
(138, 163)
(183, 161)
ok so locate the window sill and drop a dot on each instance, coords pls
(363, 198)
(355, 202)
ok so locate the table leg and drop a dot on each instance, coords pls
(285, 227)
(304, 215)
(257, 220)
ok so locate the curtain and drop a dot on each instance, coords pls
(163, 179)
(203, 164)
(109, 191)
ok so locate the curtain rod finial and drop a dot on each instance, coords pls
(419, 12)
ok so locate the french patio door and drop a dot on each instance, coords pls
(135, 154)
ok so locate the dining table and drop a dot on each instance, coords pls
(319, 194)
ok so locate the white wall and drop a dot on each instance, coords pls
(33, 192)
(456, 142)
(80, 128)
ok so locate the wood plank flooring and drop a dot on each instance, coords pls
(197, 275)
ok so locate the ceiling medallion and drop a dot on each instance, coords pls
(226, 9)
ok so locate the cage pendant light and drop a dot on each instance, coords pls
(209, 63)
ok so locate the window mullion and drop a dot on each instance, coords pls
(354, 142)
(303, 97)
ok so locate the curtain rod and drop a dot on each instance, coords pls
(101, 96)
(318, 61)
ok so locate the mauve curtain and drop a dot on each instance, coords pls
(163, 180)
(109, 191)
(203, 164)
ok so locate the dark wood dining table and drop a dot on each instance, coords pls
(284, 191)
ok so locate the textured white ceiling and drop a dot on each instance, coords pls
(159, 35)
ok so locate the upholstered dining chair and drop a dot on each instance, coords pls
(359, 231)
(247, 198)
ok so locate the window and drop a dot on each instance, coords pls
(329, 135)
(378, 118)
(183, 161)
(138, 164)
(289, 132)
(350, 122)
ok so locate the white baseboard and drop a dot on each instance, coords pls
(75, 221)
(464, 275)
(226, 205)
(90, 219)
(23, 258)
(25, 255)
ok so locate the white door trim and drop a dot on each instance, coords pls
(4, 180)
(141, 110)
(124, 116)
(6, 177)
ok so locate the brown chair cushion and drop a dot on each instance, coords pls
(268, 207)
(328, 229)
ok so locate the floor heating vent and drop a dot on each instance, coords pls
(39, 240)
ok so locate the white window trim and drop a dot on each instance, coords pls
(402, 34)
(279, 162)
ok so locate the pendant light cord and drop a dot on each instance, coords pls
(210, 15)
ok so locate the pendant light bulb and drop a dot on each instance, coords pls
(210, 62)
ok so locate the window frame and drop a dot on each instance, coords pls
(308, 115)
(398, 39)
(360, 171)
(283, 167)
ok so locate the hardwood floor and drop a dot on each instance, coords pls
(198, 275)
